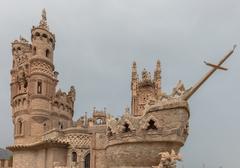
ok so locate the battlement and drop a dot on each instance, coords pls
(21, 45)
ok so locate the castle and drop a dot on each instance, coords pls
(45, 135)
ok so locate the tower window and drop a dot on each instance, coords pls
(74, 157)
(60, 125)
(45, 36)
(19, 127)
(34, 50)
(39, 87)
(47, 53)
(151, 125)
(99, 121)
(37, 34)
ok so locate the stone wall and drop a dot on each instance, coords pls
(5, 163)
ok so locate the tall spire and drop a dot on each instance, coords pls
(157, 77)
(157, 73)
(43, 21)
(134, 71)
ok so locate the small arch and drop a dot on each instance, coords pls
(51, 40)
(45, 127)
(19, 48)
(24, 101)
(74, 156)
(34, 50)
(99, 121)
(87, 161)
(126, 127)
(45, 36)
(19, 127)
(37, 34)
(151, 125)
(39, 87)
(47, 53)
(60, 125)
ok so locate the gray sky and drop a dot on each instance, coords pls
(97, 40)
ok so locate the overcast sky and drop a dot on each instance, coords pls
(97, 41)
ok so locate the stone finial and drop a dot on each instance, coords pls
(157, 74)
(43, 22)
(134, 71)
(23, 40)
(146, 75)
(72, 93)
(179, 90)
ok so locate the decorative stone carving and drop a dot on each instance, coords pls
(72, 93)
(179, 90)
(168, 160)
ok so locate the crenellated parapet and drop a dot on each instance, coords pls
(64, 102)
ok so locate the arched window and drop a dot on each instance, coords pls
(99, 121)
(39, 87)
(34, 50)
(47, 53)
(19, 127)
(45, 36)
(74, 157)
(126, 127)
(60, 125)
(87, 161)
(151, 125)
(51, 40)
(37, 34)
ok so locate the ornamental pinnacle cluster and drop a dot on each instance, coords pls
(143, 90)
(46, 136)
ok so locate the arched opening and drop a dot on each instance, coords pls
(126, 127)
(60, 125)
(47, 54)
(87, 161)
(99, 121)
(74, 156)
(20, 127)
(51, 40)
(151, 125)
(39, 87)
(109, 132)
(37, 34)
(45, 36)
(34, 50)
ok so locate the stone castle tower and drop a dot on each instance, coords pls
(145, 89)
(36, 106)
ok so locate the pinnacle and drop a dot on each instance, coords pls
(43, 21)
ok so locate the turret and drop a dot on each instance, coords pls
(36, 105)
(157, 77)
(134, 85)
(43, 41)
(144, 90)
